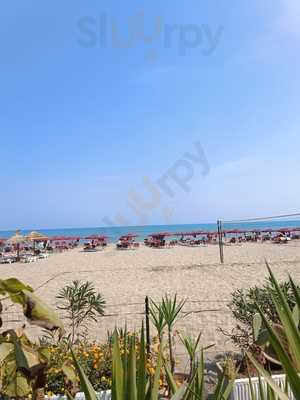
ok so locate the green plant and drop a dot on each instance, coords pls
(80, 304)
(244, 307)
(192, 347)
(131, 379)
(193, 389)
(23, 363)
(157, 318)
(94, 358)
(165, 314)
(284, 341)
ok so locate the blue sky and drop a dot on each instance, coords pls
(83, 123)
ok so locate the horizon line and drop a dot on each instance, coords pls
(146, 225)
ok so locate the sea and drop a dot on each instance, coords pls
(142, 232)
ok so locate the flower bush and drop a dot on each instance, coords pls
(95, 359)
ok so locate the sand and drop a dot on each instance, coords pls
(126, 277)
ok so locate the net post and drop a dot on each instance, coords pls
(220, 236)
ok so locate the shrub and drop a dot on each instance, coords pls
(244, 307)
(94, 358)
(81, 304)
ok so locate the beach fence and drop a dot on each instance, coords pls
(208, 317)
(284, 223)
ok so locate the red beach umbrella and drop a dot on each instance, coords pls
(285, 230)
(160, 234)
(63, 238)
(295, 230)
(271, 230)
(96, 237)
(193, 233)
(128, 236)
(57, 238)
(237, 231)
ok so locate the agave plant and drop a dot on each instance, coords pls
(132, 381)
(157, 318)
(192, 347)
(165, 314)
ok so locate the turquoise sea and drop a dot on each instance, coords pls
(143, 231)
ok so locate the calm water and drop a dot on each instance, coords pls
(143, 231)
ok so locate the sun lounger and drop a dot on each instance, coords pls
(7, 260)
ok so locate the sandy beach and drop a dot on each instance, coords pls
(126, 277)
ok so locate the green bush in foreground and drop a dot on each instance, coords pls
(80, 304)
(243, 306)
(131, 382)
(24, 365)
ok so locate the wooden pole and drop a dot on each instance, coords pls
(147, 315)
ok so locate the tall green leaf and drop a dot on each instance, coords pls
(84, 381)
(132, 387)
(281, 395)
(282, 355)
(117, 370)
(156, 379)
(141, 389)
(287, 320)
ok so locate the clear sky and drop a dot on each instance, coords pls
(97, 96)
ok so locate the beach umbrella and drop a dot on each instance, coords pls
(128, 236)
(285, 230)
(160, 234)
(59, 238)
(37, 236)
(17, 239)
(96, 237)
(236, 231)
(193, 233)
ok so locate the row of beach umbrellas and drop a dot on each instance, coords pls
(230, 232)
(35, 236)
